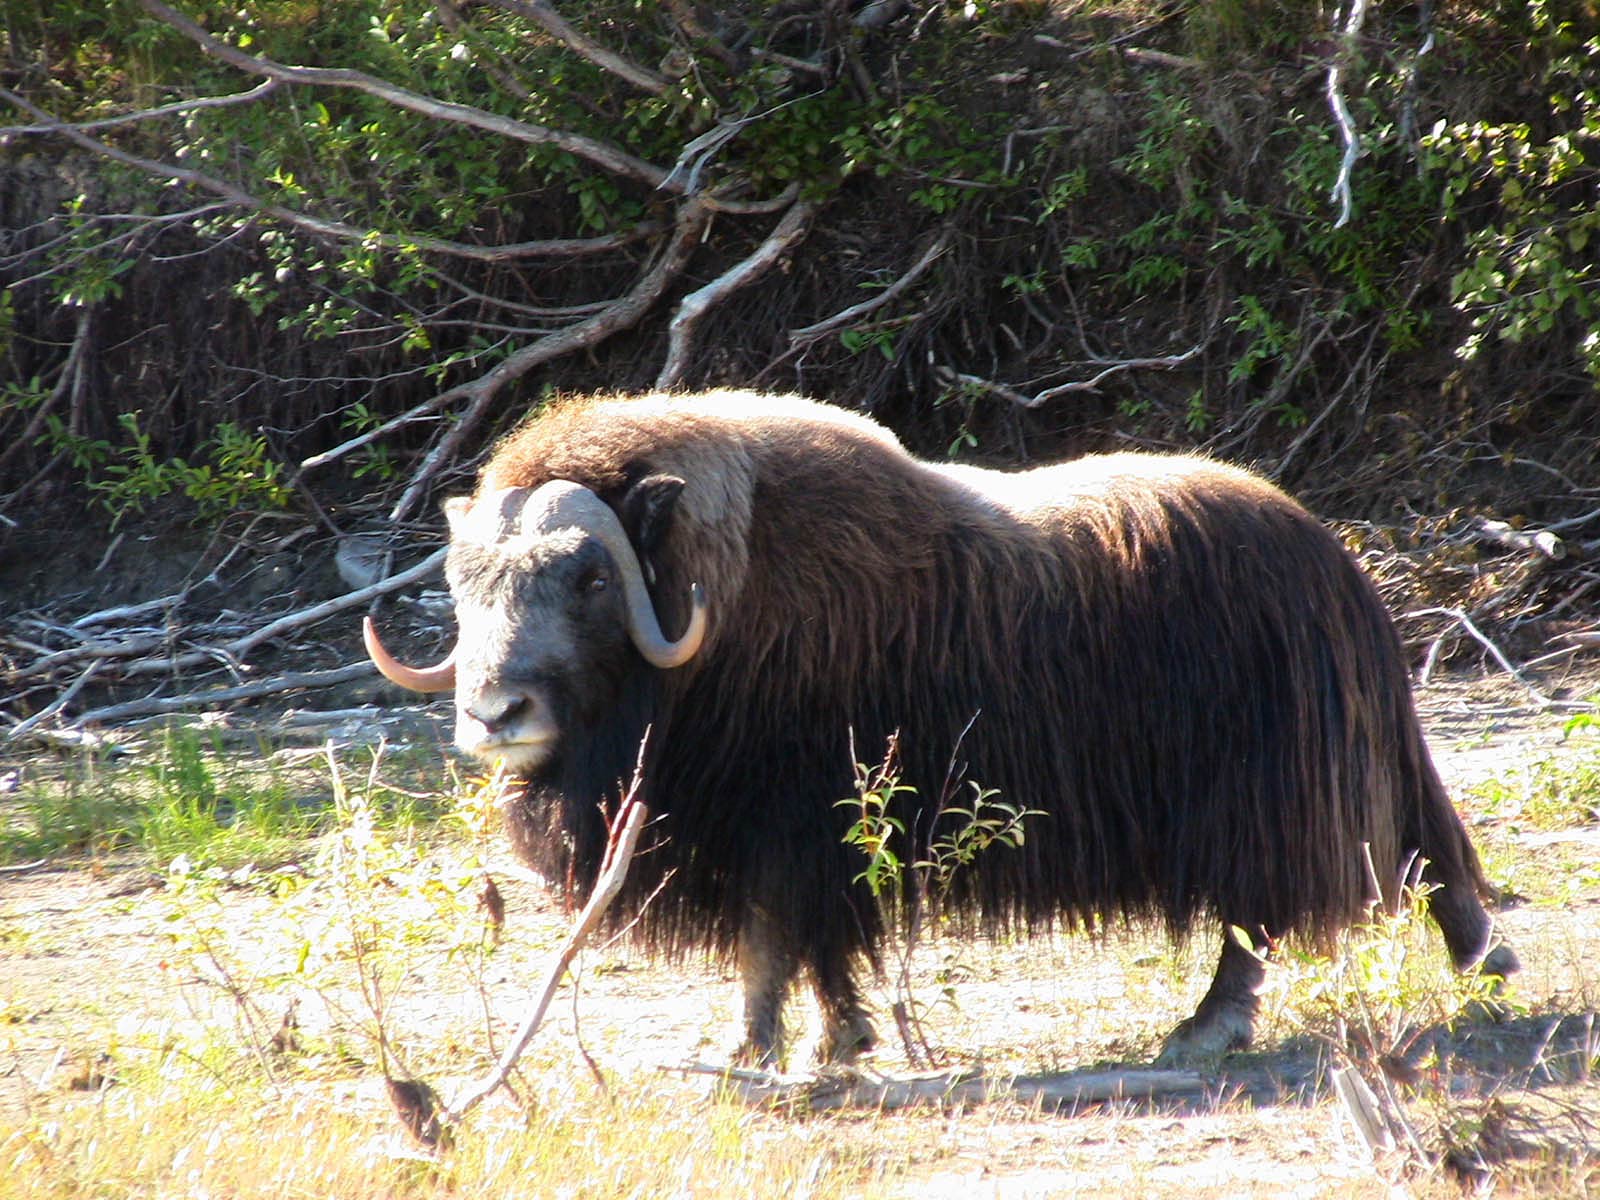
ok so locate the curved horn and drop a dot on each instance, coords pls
(559, 504)
(440, 677)
(646, 632)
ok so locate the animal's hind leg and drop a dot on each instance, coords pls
(767, 966)
(1467, 928)
(846, 1028)
(1225, 1019)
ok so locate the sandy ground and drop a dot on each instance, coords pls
(87, 968)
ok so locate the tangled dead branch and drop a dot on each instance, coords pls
(100, 650)
(455, 413)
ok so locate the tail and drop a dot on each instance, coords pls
(1434, 830)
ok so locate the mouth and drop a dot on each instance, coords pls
(520, 752)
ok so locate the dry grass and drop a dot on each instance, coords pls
(137, 1056)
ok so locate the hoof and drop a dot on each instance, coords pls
(843, 1043)
(1204, 1038)
(1501, 961)
(758, 1056)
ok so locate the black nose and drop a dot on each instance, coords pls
(494, 713)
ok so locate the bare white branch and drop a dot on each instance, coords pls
(622, 313)
(795, 224)
(239, 197)
(260, 92)
(1460, 617)
(848, 316)
(157, 705)
(1341, 111)
(1110, 368)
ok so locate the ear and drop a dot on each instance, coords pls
(456, 509)
(647, 512)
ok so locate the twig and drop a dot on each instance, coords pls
(1461, 618)
(1573, 522)
(1161, 362)
(855, 312)
(23, 728)
(796, 223)
(69, 374)
(623, 840)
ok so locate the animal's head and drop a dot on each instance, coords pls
(553, 611)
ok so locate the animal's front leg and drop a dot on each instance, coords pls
(1226, 1016)
(767, 966)
(847, 1031)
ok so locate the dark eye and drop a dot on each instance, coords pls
(596, 582)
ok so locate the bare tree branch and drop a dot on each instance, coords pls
(69, 374)
(157, 705)
(855, 312)
(1341, 111)
(557, 27)
(622, 313)
(601, 154)
(796, 223)
(235, 195)
(1460, 617)
(260, 92)
(1160, 362)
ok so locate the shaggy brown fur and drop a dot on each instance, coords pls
(1171, 659)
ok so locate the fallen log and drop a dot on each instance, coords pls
(857, 1088)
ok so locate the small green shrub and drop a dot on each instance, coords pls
(911, 883)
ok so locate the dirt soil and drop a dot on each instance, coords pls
(86, 969)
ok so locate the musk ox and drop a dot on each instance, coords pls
(1174, 663)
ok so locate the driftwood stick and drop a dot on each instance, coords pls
(620, 846)
(23, 728)
(123, 612)
(309, 616)
(156, 705)
(1539, 541)
(858, 1089)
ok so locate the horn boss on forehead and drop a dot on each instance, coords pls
(506, 518)
(1183, 678)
